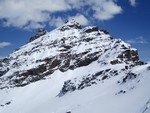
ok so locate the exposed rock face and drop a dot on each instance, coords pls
(40, 32)
(92, 29)
(105, 31)
(66, 48)
(70, 24)
(129, 55)
(86, 81)
(4, 63)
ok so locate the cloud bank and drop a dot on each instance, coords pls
(138, 40)
(80, 18)
(4, 44)
(132, 2)
(30, 14)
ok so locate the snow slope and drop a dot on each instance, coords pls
(42, 96)
(74, 70)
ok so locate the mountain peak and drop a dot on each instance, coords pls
(39, 33)
(70, 24)
(67, 48)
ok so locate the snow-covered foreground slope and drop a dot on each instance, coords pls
(105, 97)
(74, 70)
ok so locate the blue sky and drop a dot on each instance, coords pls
(125, 19)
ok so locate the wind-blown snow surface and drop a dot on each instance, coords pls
(113, 81)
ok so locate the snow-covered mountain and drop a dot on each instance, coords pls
(74, 70)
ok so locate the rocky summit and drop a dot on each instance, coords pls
(74, 70)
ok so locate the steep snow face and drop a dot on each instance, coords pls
(74, 70)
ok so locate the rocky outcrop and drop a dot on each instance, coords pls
(92, 29)
(86, 81)
(129, 55)
(70, 24)
(105, 31)
(40, 32)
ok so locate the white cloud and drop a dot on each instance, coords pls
(4, 44)
(20, 13)
(80, 18)
(138, 40)
(30, 14)
(34, 25)
(132, 2)
(105, 9)
(56, 22)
